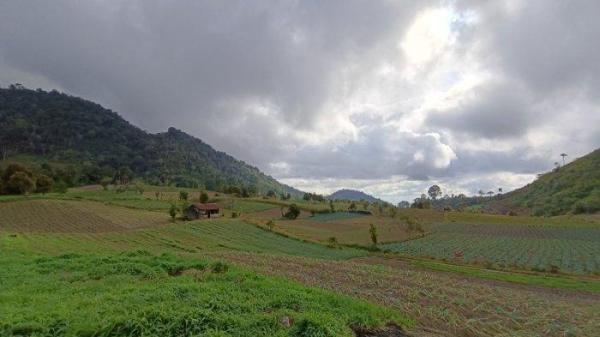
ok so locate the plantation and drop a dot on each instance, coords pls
(539, 248)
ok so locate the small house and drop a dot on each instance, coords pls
(200, 211)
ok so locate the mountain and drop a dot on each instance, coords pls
(66, 129)
(347, 194)
(573, 188)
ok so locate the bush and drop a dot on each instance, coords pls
(43, 184)
(20, 183)
(292, 212)
(203, 197)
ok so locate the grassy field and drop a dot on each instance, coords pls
(140, 294)
(532, 247)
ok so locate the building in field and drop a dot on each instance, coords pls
(202, 211)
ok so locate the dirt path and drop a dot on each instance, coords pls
(443, 305)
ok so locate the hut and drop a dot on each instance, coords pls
(200, 211)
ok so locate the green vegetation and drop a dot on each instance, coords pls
(538, 248)
(90, 143)
(140, 294)
(573, 188)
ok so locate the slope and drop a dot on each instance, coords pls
(573, 188)
(68, 129)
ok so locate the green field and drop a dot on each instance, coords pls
(531, 247)
(140, 294)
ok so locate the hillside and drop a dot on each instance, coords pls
(66, 129)
(347, 194)
(573, 188)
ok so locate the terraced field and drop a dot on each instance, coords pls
(73, 217)
(534, 247)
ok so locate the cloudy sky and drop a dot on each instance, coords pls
(384, 96)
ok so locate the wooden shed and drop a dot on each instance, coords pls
(200, 211)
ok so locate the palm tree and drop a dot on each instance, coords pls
(499, 190)
(490, 193)
(563, 155)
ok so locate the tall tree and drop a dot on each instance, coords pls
(563, 155)
(434, 192)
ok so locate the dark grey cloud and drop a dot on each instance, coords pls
(296, 87)
(492, 111)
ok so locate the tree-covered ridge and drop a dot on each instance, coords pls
(572, 188)
(63, 128)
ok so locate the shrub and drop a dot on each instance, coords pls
(373, 233)
(20, 183)
(203, 197)
(183, 195)
(292, 212)
(173, 211)
(270, 225)
(43, 184)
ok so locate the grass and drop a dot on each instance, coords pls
(140, 294)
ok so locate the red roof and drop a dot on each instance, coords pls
(207, 207)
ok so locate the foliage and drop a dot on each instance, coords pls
(434, 192)
(292, 212)
(373, 233)
(141, 294)
(573, 188)
(97, 142)
(203, 197)
(173, 211)
(43, 184)
(19, 183)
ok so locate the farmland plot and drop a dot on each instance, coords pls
(62, 216)
(538, 248)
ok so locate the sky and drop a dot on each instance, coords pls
(388, 97)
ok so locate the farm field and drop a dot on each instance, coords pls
(138, 248)
(443, 304)
(140, 294)
(350, 230)
(532, 247)
(73, 216)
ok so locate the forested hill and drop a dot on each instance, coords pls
(67, 129)
(346, 194)
(573, 188)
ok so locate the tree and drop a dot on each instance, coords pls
(490, 193)
(403, 204)
(20, 183)
(203, 197)
(373, 234)
(434, 191)
(292, 212)
(563, 155)
(183, 195)
(43, 184)
(173, 211)
(352, 207)
(331, 206)
(271, 194)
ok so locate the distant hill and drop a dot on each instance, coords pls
(573, 188)
(67, 129)
(347, 194)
